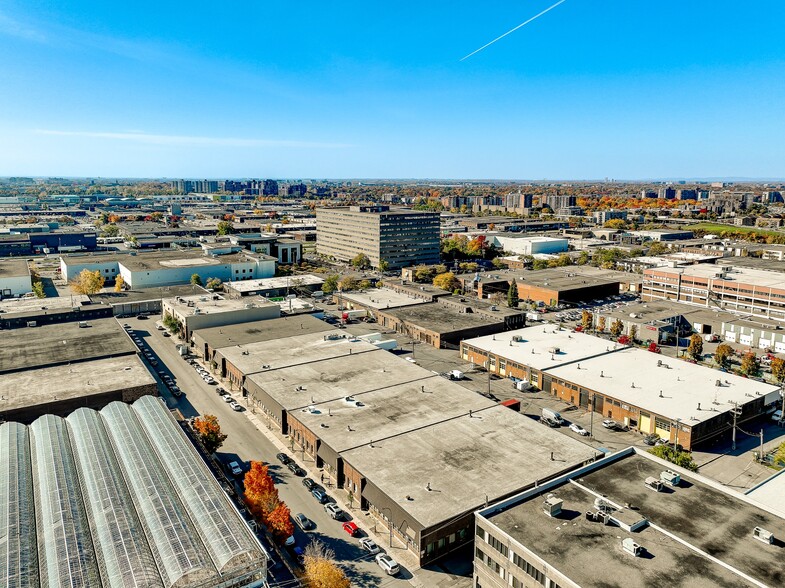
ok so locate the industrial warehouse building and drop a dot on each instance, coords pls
(679, 401)
(15, 279)
(202, 311)
(605, 521)
(57, 368)
(117, 498)
(401, 237)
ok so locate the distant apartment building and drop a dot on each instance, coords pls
(648, 194)
(758, 293)
(400, 237)
(270, 188)
(686, 194)
(603, 216)
(667, 193)
(559, 201)
(201, 186)
(297, 190)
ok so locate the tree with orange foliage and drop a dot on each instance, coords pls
(257, 481)
(209, 431)
(279, 521)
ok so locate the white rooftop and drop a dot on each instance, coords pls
(213, 303)
(381, 298)
(770, 493)
(674, 389)
(275, 283)
(534, 347)
(742, 275)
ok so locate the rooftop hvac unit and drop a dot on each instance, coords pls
(653, 484)
(517, 338)
(670, 477)
(494, 307)
(629, 546)
(197, 311)
(718, 383)
(763, 535)
(552, 506)
(602, 505)
(553, 350)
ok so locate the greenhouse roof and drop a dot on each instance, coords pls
(117, 498)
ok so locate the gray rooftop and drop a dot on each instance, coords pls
(76, 380)
(258, 331)
(441, 318)
(558, 278)
(389, 410)
(35, 347)
(381, 298)
(14, 267)
(773, 265)
(144, 294)
(466, 460)
(300, 349)
(701, 513)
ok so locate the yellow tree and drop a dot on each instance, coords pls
(118, 284)
(320, 568)
(87, 282)
(446, 281)
(601, 324)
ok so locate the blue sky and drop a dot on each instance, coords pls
(624, 89)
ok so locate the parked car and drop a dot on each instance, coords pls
(320, 495)
(220, 390)
(228, 399)
(237, 407)
(369, 545)
(576, 428)
(651, 439)
(333, 510)
(235, 468)
(776, 416)
(310, 484)
(303, 522)
(283, 458)
(548, 422)
(610, 424)
(296, 469)
(388, 564)
(351, 528)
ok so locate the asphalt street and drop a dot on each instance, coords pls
(245, 443)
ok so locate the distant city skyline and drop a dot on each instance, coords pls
(618, 90)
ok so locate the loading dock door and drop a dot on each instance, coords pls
(645, 423)
(584, 399)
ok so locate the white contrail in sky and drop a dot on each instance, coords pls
(523, 24)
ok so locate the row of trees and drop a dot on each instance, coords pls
(334, 282)
(261, 497)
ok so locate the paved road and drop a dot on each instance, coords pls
(245, 443)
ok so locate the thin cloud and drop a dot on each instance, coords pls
(14, 28)
(523, 24)
(191, 141)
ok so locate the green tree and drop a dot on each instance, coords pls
(365, 284)
(723, 354)
(361, 261)
(330, 284)
(512, 294)
(349, 283)
(750, 364)
(38, 290)
(214, 284)
(225, 228)
(779, 456)
(110, 231)
(658, 248)
(171, 323)
(384, 265)
(674, 455)
(422, 273)
(196, 279)
(695, 348)
(616, 328)
(583, 258)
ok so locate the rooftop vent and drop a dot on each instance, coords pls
(763, 535)
(553, 350)
(629, 546)
(552, 505)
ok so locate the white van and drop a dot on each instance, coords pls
(552, 415)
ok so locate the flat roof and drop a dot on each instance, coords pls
(65, 382)
(743, 275)
(381, 298)
(465, 461)
(35, 347)
(144, 294)
(651, 311)
(705, 517)
(536, 341)
(769, 493)
(672, 390)
(323, 381)
(390, 410)
(557, 278)
(772, 265)
(441, 318)
(275, 283)
(211, 303)
(12, 306)
(163, 259)
(258, 331)
(300, 349)
(14, 267)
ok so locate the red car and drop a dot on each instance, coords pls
(352, 529)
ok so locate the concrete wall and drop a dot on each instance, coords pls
(109, 268)
(182, 275)
(15, 285)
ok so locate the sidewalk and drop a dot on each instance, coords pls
(364, 520)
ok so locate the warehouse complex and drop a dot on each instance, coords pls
(611, 520)
(202, 311)
(117, 498)
(681, 402)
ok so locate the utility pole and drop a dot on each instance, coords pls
(735, 411)
(591, 423)
(760, 455)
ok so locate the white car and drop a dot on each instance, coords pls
(236, 406)
(228, 399)
(388, 564)
(576, 428)
(369, 545)
(235, 468)
(333, 510)
(776, 416)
